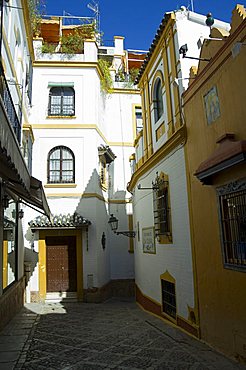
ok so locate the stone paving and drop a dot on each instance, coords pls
(116, 334)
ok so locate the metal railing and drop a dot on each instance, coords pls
(9, 105)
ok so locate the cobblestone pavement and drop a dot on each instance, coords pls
(116, 334)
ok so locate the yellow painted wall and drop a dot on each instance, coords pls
(221, 292)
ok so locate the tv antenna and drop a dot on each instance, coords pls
(94, 6)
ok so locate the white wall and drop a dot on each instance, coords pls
(176, 256)
(99, 120)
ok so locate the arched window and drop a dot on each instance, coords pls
(158, 99)
(61, 101)
(61, 165)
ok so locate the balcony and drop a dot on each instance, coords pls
(9, 106)
(13, 167)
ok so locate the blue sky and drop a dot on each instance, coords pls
(137, 20)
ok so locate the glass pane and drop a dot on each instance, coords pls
(56, 91)
(55, 100)
(67, 100)
(68, 110)
(66, 154)
(67, 165)
(55, 154)
(55, 176)
(55, 110)
(67, 176)
(54, 165)
(68, 91)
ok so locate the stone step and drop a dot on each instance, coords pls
(61, 296)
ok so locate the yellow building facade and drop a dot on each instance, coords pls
(214, 107)
(164, 273)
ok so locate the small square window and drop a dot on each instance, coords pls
(168, 298)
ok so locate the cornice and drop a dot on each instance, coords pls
(64, 126)
(27, 21)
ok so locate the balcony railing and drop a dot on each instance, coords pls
(9, 105)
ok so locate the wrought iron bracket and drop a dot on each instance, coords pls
(152, 188)
(129, 234)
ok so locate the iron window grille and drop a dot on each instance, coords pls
(103, 173)
(168, 298)
(232, 213)
(61, 101)
(161, 207)
(158, 100)
(61, 165)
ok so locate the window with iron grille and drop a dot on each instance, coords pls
(61, 101)
(168, 298)
(103, 173)
(61, 165)
(232, 212)
(161, 206)
(158, 99)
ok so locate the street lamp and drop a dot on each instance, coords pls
(113, 222)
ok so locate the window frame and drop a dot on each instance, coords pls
(61, 106)
(138, 116)
(229, 221)
(158, 103)
(166, 277)
(103, 170)
(61, 170)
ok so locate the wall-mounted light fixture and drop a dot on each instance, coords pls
(103, 240)
(113, 222)
(21, 213)
(11, 81)
(5, 201)
(183, 50)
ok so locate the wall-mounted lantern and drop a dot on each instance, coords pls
(113, 221)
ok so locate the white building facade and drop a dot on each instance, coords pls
(83, 140)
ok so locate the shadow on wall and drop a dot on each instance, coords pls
(92, 204)
(30, 256)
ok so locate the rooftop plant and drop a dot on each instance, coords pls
(106, 81)
(36, 9)
(73, 42)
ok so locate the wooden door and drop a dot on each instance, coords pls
(61, 264)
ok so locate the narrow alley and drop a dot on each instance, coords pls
(116, 334)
